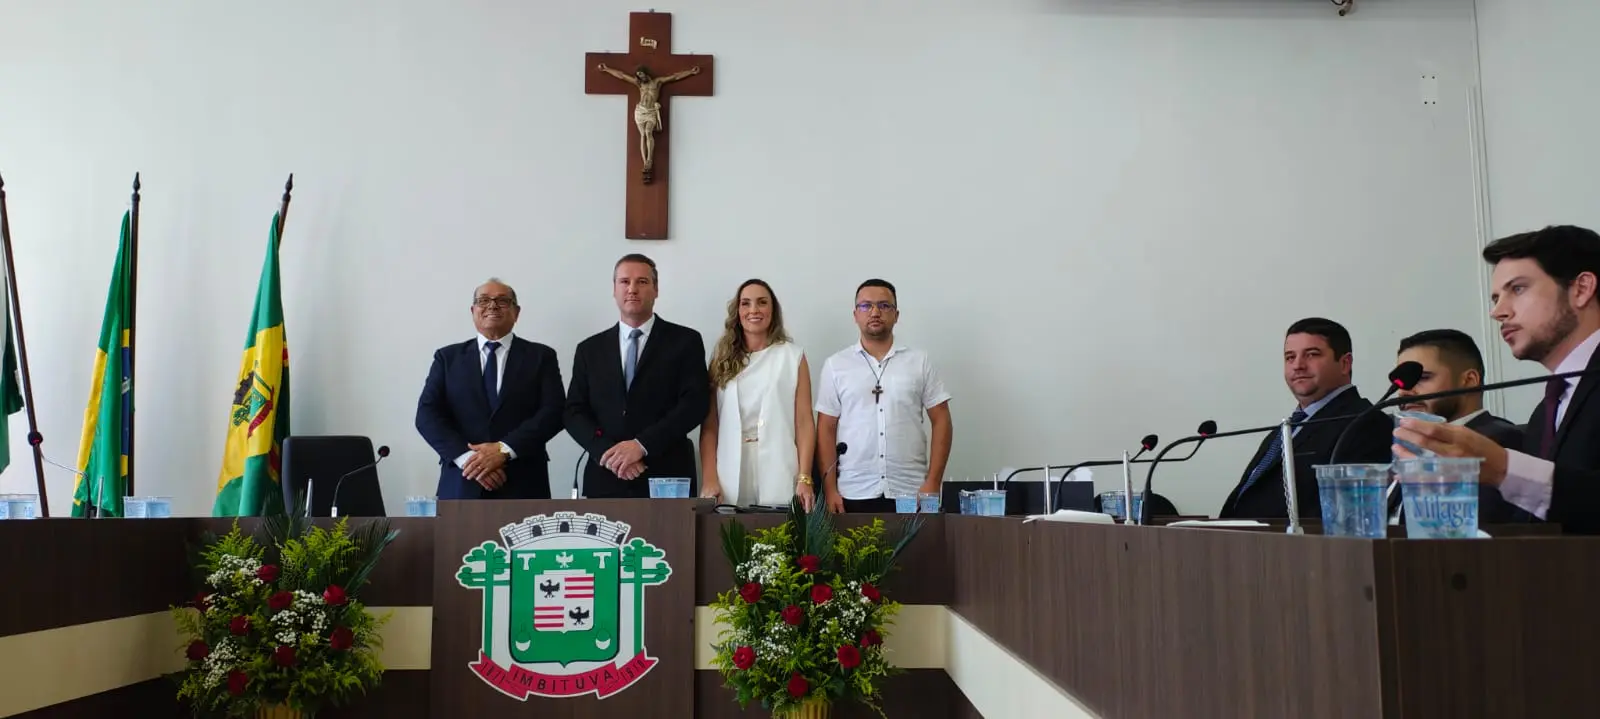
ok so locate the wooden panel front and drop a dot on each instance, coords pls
(458, 613)
(402, 695)
(76, 571)
(920, 693)
(1501, 628)
(923, 577)
(1157, 622)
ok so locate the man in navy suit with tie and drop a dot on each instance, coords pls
(639, 387)
(490, 405)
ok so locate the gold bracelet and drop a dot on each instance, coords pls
(803, 478)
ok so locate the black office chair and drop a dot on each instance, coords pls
(324, 460)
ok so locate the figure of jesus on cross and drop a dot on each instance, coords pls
(647, 113)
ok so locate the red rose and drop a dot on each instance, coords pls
(744, 657)
(821, 593)
(793, 615)
(280, 601)
(198, 651)
(199, 602)
(809, 563)
(798, 685)
(267, 573)
(750, 592)
(334, 595)
(849, 657)
(240, 626)
(871, 639)
(284, 656)
(870, 592)
(341, 638)
(237, 681)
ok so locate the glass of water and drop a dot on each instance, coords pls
(1440, 495)
(1353, 499)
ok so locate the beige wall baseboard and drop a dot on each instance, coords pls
(57, 665)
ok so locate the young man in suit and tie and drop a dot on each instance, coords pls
(1450, 360)
(638, 389)
(490, 405)
(1317, 363)
(1546, 293)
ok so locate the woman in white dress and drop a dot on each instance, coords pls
(759, 432)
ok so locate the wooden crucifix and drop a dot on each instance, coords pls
(644, 74)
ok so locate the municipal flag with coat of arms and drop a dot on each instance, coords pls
(258, 419)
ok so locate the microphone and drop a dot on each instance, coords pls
(838, 450)
(1206, 430)
(333, 506)
(1148, 443)
(577, 470)
(1404, 376)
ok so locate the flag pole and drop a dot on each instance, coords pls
(35, 440)
(133, 336)
(283, 208)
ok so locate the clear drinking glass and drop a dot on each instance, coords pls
(1353, 499)
(1440, 495)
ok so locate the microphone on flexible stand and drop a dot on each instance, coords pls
(1404, 376)
(1205, 431)
(577, 470)
(1148, 443)
(334, 500)
(1152, 440)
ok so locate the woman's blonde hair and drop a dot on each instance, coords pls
(731, 355)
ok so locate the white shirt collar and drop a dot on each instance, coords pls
(1579, 358)
(893, 349)
(623, 329)
(505, 342)
(1468, 417)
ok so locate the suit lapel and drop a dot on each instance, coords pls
(611, 357)
(1580, 394)
(515, 358)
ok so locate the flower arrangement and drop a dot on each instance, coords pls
(806, 619)
(277, 624)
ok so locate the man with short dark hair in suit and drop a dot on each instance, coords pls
(638, 389)
(490, 405)
(1450, 360)
(1317, 363)
(1546, 293)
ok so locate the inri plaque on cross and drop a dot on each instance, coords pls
(650, 75)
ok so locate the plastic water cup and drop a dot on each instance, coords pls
(1412, 414)
(669, 488)
(928, 502)
(430, 506)
(967, 498)
(135, 508)
(1114, 504)
(1353, 499)
(1440, 495)
(414, 506)
(904, 503)
(159, 507)
(990, 503)
(19, 506)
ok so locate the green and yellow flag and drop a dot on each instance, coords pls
(10, 387)
(259, 418)
(103, 452)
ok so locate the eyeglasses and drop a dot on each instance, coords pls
(867, 306)
(487, 302)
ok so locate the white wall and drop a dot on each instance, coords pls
(1540, 107)
(1102, 214)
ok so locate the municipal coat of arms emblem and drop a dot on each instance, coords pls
(563, 606)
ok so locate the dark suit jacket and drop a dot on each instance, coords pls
(670, 396)
(454, 412)
(1575, 497)
(1313, 445)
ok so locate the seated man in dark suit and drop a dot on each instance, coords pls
(1317, 362)
(1450, 360)
(490, 405)
(1546, 294)
(638, 388)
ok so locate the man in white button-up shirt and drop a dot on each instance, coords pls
(873, 398)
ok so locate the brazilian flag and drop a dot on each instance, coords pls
(259, 418)
(103, 452)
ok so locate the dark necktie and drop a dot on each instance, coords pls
(631, 361)
(1274, 450)
(1553, 390)
(491, 375)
